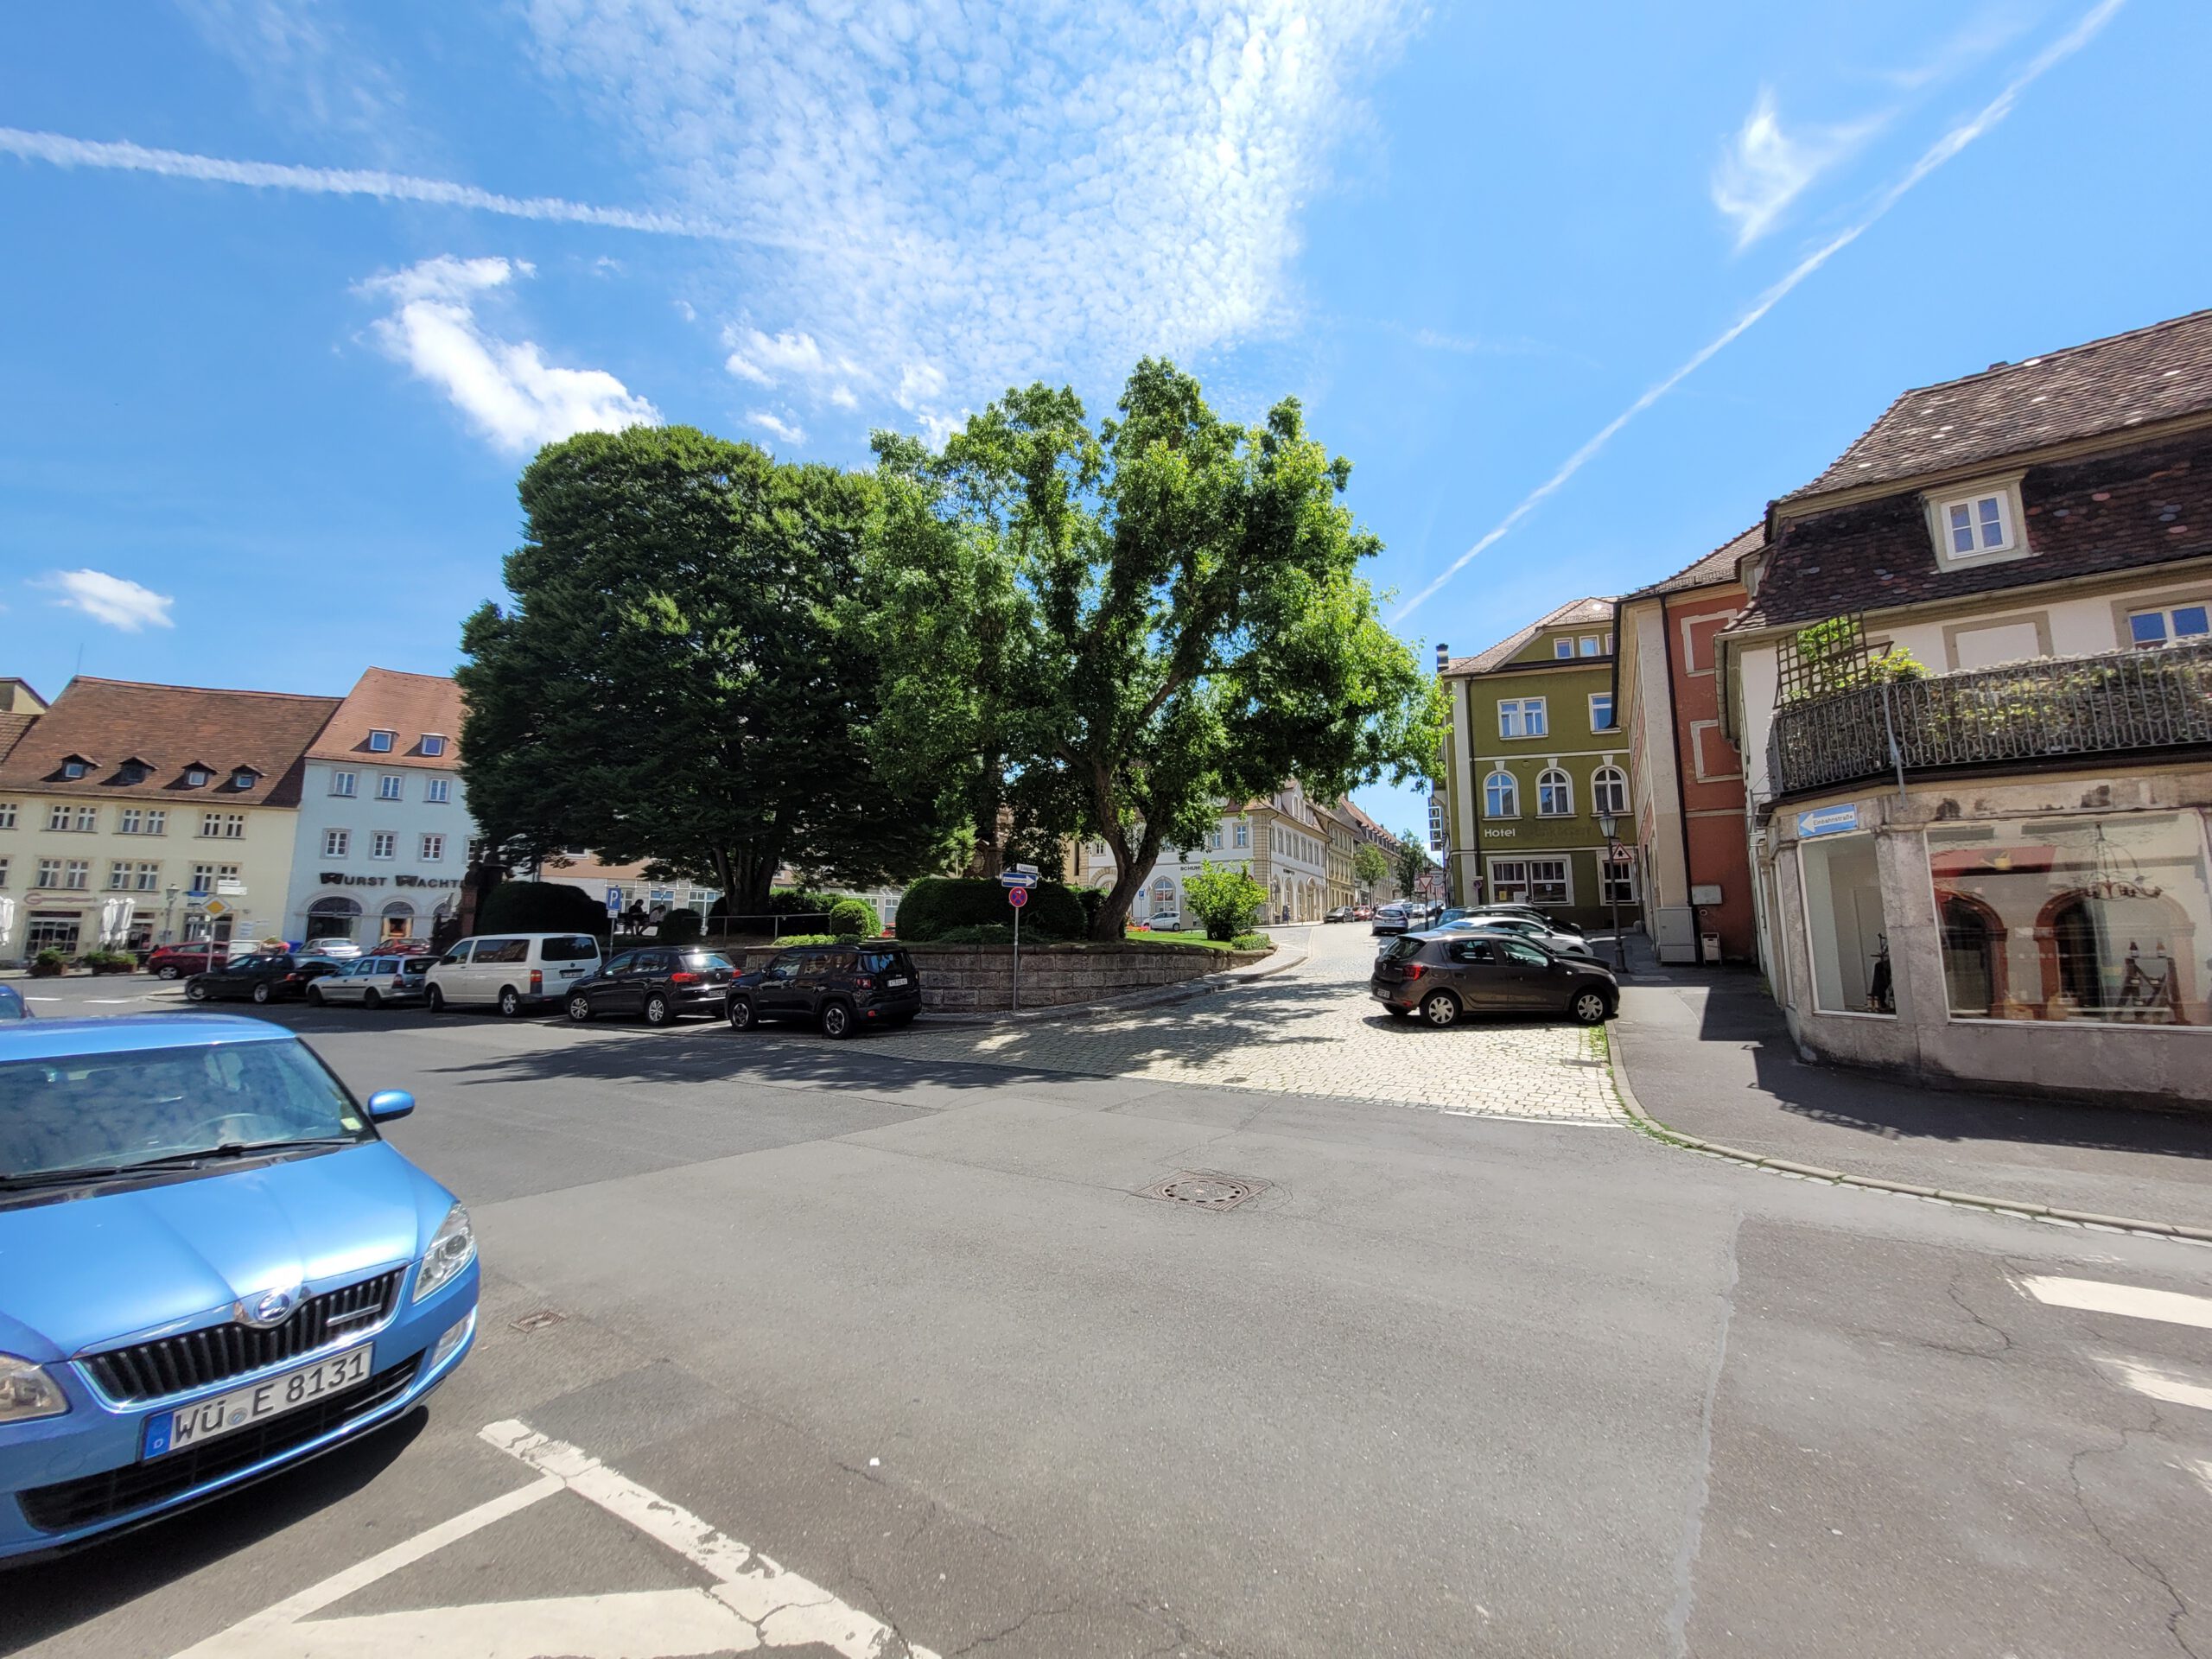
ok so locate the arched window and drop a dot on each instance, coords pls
(1500, 796)
(1555, 794)
(1164, 891)
(332, 919)
(1609, 792)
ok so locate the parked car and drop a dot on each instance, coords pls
(374, 983)
(336, 950)
(1391, 919)
(1557, 924)
(842, 986)
(277, 977)
(1363, 912)
(1341, 913)
(1164, 921)
(1564, 945)
(212, 1267)
(1443, 975)
(512, 971)
(12, 1006)
(660, 983)
(175, 961)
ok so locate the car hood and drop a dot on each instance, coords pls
(84, 1272)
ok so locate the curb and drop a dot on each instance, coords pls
(1658, 1131)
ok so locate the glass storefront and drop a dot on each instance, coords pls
(1845, 928)
(2105, 919)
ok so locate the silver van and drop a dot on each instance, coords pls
(512, 971)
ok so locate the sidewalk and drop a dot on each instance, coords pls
(1708, 1055)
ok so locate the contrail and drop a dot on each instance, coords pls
(64, 151)
(1942, 151)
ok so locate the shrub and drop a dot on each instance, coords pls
(1093, 899)
(1253, 942)
(48, 963)
(678, 927)
(541, 908)
(937, 904)
(1224, 900)
(851, 919)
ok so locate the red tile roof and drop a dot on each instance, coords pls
(410, 706)
(1574, 614)
(170, 727)
(1716, 569)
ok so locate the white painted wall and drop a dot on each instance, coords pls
(382, 882)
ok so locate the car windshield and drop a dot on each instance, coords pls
(104, 1111)
(570, 947)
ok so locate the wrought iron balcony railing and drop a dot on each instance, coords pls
(2114, 703)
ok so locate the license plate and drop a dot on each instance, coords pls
(570, 973)
(173, 1431)
(895, 981)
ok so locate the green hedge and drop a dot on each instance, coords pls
(854, 919)
(678, 927)
(541, 908)
(936, 905)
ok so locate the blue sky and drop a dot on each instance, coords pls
(293, 289)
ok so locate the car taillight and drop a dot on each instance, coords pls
(536, 981)
(680, 978)
(864, 983)
(1415, 970)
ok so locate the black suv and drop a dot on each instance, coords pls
(1444, 975)
(662, 981)
(844, 987)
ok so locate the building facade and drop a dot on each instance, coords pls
(1283, 841)
(1534, 760)
(131, 815)
(1992, 864)
(1685, 778)
(383, 835)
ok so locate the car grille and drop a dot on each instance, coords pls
(194, 1359)
(117, 1491)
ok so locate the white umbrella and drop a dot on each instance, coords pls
(115, 919)
(7, 921)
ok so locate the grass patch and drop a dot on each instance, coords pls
(1247, 942)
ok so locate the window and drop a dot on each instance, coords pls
(7, 814)
(1562, 647)
(118, 876)
(1845, 927)
(1213, 839)
(1609, 792)
(1243, 832)
(195, 777)
(1521, 717)
(203, 878)
(1590, 645)
(383, 844)
(144, 878)
(1548, 882)
(438, 790)
(75, 819)
(1616, 881)
(77, 875)
(2149, 628)
(388, 787)
(243, 778)
(1555, 794)
(223, 826)
(344, 783)
(4, 872)
(335, 841)
(133, 772)
(73, 767)
(433, 745)
(380, 743)
(1601, 711)
(1976, 529)
(434, 849)
(49, 873)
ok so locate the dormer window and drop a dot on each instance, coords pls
(380, 743)
(133, 771)
(433, 745)
(196, 777)
(1980, 526)
(75, 766)
(243, 778)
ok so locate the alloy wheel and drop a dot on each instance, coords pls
(580, 1008)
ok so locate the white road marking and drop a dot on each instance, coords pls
(2133, 1302)
(2170, 1386)
(754, 1604)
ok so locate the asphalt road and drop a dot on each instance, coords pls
(1447, 1385)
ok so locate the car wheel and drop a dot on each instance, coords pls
(580, 1008)
(659, 1011)
(264, 991)
(510, 1001)
(195, 992)
(1588, 1008)
(837, 1021)
(168, 970)
(371, 998)
(740, 1014)
(315, 996)
(437, 1001)
(1439, 1008)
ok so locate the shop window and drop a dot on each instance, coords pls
(332, 919)
(2076, 919)
(55, 930)
(1846, 929)
(1618, 880)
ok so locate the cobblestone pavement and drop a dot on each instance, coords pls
(1309, 1030)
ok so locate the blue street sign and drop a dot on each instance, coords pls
(1827, 820)
(614, 901)
(1017, 878)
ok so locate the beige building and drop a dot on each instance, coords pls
(1283, 840)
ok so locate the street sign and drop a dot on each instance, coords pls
(217, 907)
(614, 901)
(1017, 878)
(1017, 897)
(1616, 853)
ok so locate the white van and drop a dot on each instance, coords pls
(511, 970)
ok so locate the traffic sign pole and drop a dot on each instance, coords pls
(1018, 896)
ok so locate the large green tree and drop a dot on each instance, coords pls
(670, 680)
(1113, 629)
(1368, 867)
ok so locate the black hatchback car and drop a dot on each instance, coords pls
(842, 987)
(1443, 975)
(661, 982)
(268, 978)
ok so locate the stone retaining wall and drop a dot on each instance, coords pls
(971, 978)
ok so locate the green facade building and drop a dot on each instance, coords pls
(1534, 758)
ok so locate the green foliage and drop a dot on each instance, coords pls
(1093, 899)
(541, 908)
(1832, 656)
(1413, 860)
(1253, 942)
(108, 961)
(1112, 629)
(1368, 867)
(981, 933)
(670, 680)
(933, 906)
(804, 938)
(850, 918)
(51, 960)
(678, 927)
(1225, 900)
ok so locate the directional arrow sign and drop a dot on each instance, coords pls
(1017, 878)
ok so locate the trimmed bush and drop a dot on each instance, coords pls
(678, 927)
(935, 906)
(851, 919)
(541, 908)
(1225, 900)
(48, 963)
(1253, 942)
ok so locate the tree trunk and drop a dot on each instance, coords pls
(1130, 869)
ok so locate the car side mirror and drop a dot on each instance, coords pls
(387, 1105)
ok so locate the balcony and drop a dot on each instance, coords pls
(2119, 702)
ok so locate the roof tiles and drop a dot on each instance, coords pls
(170, 728)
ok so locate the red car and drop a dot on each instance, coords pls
(195, 957)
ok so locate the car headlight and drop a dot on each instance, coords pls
(454, 1248)
(26, 1391)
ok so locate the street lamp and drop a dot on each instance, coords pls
(1606, 824)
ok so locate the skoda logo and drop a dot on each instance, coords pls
(271, 1308)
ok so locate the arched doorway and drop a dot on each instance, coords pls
(1974, 958)
(2126, 959)
(397, 921)
(332, 919)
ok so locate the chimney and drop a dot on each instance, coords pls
(1443, 656)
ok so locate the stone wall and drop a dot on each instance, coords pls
(969, 978)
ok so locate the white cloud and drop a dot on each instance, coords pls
(116, 601)
(769, 360)
(505, 389)
(971, 194)
(1766, 169)
(775, 426)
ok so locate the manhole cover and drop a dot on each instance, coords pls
(1205, 1189)
(540, 1320)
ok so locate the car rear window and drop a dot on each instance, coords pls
(696, 959)
(414, 967)
(568, 947)
(885, 962)
(1404, 947)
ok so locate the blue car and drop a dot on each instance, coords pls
(12, 1006)
(212, 1267)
